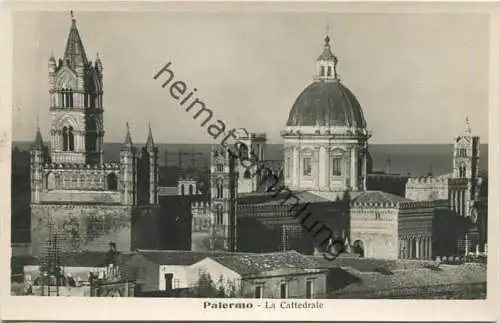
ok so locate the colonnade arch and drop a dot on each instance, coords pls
(415, 247)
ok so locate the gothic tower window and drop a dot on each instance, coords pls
(219, 219)
(191, 190)
(336, 166)
(51, 181)
(462, 152)
(322, 71)
(220, 189)
(219, 166)
(247, 174)
(329, 72)
(112, 182)
(461, 171)
(65, 139)
(71, 139)
(182, 189)
(67, 98)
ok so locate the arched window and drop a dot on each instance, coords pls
(182, 189)
(191, 190)
(220, 189)
(65, 139)
(112, 182)
(322, 71)
(67, 97)
(243, 151)
(219, 166)
(461, 171)
(329, 72)
(51, 181)
(71, 139)
(219, 218)
(247, 174)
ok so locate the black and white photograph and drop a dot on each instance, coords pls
(296, 156)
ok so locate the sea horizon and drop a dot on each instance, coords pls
(408, 159)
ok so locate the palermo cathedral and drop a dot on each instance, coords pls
(323, 189)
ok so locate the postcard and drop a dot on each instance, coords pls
(273, 161)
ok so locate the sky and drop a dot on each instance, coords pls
(416, 76)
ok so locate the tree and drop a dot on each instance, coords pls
(205, 286)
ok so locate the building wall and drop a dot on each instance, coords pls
(416, 229)
(376, 230)
(220, 275)
(175, 222)
(296, 285)
(81, 227)
(288, 226)
(394, 184)
(427, 188)
(201, 225)
(147, 228)
(183, 276)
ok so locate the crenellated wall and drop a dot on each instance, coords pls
(374, 227)
(427, 188)
(78, 177)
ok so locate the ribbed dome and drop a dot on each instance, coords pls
(326, 103)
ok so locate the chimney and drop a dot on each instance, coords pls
(168, 283)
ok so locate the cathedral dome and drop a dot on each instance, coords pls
(326, 103)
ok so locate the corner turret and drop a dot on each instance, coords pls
(128, 163)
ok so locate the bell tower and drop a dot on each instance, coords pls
(75, 92)
(466, 154)
(224, 190)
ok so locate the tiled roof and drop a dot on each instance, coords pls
(376, 197)
(247, 264)
(178, 257)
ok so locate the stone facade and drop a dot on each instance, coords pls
(86, 201)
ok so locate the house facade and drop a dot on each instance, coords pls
(269, 275)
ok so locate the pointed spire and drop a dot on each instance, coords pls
(127, 144)
(150, 144)
(38, 143)
(467, 130)
(75, 52)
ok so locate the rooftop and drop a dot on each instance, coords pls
(179, 257)
(248, 264)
